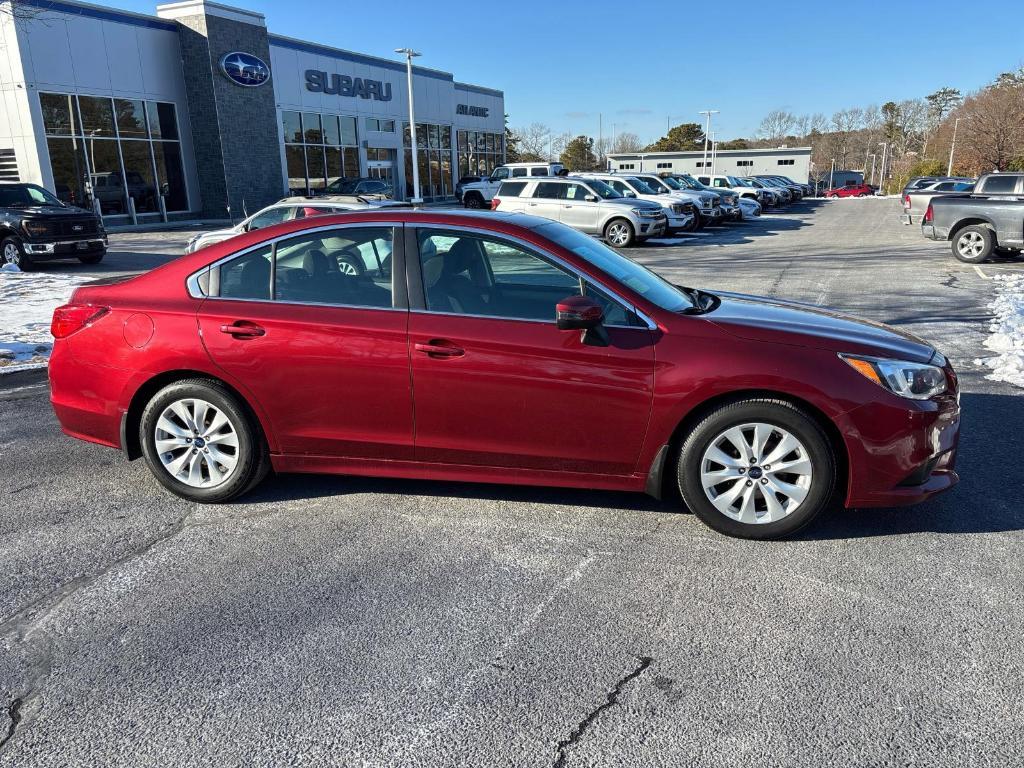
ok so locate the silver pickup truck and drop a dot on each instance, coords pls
(990, 218)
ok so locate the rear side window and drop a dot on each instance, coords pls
(549, 189)
(518, 171)
(511, 188)
(1000, 183)
(539, 172)
(248, 276)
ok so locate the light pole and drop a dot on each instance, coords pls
(949, 168)
(881, 171)
(873, 156)
(409, 54)
(831, 174)
(707, 130)
(714, 156)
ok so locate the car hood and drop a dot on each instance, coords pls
(786, 322)
(49, 211)
(634, 202)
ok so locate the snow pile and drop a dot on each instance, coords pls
(27, 301)
(1007, 338)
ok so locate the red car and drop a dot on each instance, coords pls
(856, 190)
(497, 348)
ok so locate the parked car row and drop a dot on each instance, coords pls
(628, 207)
(919, 192)
(979, 222)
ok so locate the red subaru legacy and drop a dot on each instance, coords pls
(497, 348)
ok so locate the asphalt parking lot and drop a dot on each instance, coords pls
(347, 621)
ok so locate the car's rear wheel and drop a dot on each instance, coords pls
(757, 469)
(350, 265)
(200, 442)
(473, 200)
(12, 253)
(833, 197)
(619, 233)
(974, 244)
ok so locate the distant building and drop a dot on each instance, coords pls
(794, 162)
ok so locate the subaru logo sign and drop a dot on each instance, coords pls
(244, 69)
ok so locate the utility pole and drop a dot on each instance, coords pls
(409, 54)
(600, 135)
(707, 130)
(949, 168)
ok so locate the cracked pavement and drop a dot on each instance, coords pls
(363, 622)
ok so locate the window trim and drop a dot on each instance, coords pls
(399, 288)
(417, 299)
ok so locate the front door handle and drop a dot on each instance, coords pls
(439, 348)
(243, 329)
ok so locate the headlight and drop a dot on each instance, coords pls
(34, 228)
(916, 381)
(646, 212)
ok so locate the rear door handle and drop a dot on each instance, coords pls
(439, 348)
(243, 329)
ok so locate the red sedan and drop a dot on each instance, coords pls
(855, 190)
(497, 348)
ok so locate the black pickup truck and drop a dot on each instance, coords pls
(977, 224)
(35, 226)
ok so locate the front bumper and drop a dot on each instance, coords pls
(901, 455)
(652, 227)
(40, 250)
(678, 220)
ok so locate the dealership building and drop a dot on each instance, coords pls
(201, 112)
(794, 162)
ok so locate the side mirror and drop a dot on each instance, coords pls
(581, 313)
(629, 193)
(591, 198)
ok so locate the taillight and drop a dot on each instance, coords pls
(906, 201)
(494, 203)
(74, 317)
(929, 214)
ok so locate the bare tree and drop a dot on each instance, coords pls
(994, 134)
(20, 12)
(777, 125)
(626, 142)
(533, 139)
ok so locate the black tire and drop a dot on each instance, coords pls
(975, 255)
(253, 459)
(473, 200)
(833, 197)
(92, 258)
(778, 413)
(12, 252)
(702, 221)
(612, 229)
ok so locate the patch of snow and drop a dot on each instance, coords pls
(1007, 331)
(27, 301)
(9, 268)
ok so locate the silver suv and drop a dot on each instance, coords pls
(291, 208)
(588, 205)
(680, 213)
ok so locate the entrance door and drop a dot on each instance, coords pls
(382, 170)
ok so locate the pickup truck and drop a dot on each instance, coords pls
(35, 226)
(977, 224)
(479, 194)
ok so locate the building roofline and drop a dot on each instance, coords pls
(77, 8)
(480, 89)
(321, 49)
(719, 153)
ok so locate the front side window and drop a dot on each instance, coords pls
(345, 267)
(500, 173)
(268, 218)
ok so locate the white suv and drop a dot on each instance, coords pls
(680, 213)
(479, 194)
(735, 184)
(588, 205)
(707, 205)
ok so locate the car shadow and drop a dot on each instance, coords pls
(984, 502)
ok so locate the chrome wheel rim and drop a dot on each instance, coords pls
(971, 245)
(756, 473)
(11, 254)
(196, 442)
(347, 268)
(618, 234)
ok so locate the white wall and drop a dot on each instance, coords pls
(76, 53)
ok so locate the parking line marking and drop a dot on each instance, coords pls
(980, 273)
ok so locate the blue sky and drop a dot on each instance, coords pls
(562, 62)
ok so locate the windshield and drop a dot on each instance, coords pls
(343, 186)
(641, 186)
(603, 190)
(734, 182)
(653, 288)
(691, 182)
(26, 194)
(670, 182)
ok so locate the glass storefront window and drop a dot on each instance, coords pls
(131, 118)
(334, 163)
(97, 116)
(446, 137)
(315, 168)
(311, 131)
(162, 124)
(60, 117)
(170, 175)
(292, 127)
(351, 156)
(348, 131)
(67, 161)
(295, 159)
(106, 177)
(138, 175)
(434, 134)
(332, 133)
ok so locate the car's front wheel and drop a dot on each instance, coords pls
(200, 443)
(12, 252)
(974, 244)
(619, 233)
(93, 258)
(757, 469)
(473, 200)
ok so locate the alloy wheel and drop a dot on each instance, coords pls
(756, 473)
(970, 245)
(11, 254)
(618, 234)
(196, 442)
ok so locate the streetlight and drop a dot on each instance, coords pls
(707, 130)
(714, 153)
(409, 54)
(949, 169)
(873, 156)
(831, 174)
(881, 171)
